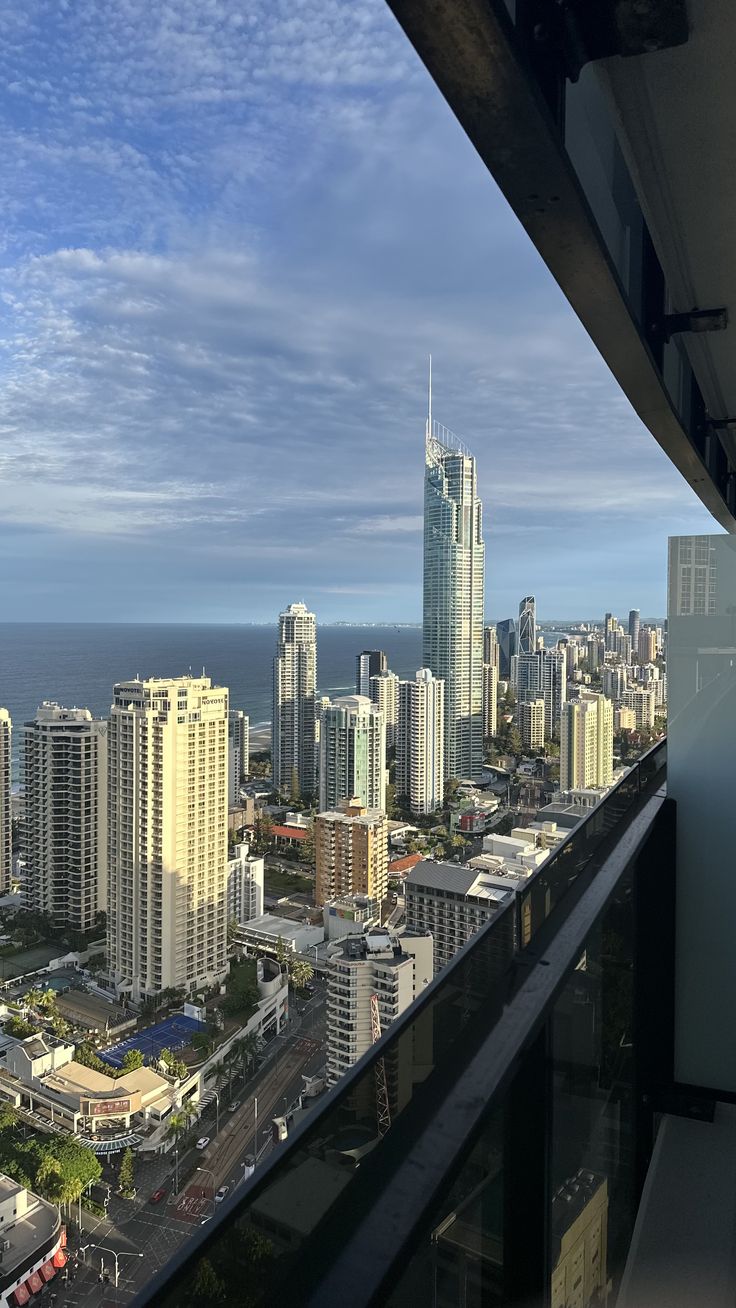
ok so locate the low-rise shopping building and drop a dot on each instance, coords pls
(267, 933)
(33, 1243)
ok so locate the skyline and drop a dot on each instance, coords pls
(222, 268)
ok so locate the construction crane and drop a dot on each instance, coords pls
(383, 1110)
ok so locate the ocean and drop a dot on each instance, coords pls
(77, 664)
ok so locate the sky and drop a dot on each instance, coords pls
(232, 234)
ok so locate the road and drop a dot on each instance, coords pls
(157, 1231)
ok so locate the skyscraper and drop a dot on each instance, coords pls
(238, 741)
(369, 663)
(168, 857)
(293, 728)
(543, 675)
(634, 628)
(506, 634)
(6, 811)
(383, 690)
(454, 558)
(586, 742)
(350, 853)
(352, 753)
(420, 742)
(531, 723)
(65, 805)
(527, 628)
(490, 699)
(490, 646)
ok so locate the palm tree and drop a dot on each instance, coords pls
(33, 997)
(301, 973)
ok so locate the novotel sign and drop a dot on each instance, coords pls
(106, 1107)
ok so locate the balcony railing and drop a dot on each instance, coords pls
(519, 1103)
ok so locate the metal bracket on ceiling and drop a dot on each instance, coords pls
(697, 320)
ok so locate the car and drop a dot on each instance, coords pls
(203, 1142)
(235, 1105)
(222, 1193)
(158, 1195)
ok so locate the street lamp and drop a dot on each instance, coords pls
(217, 1107)
(176, 1171)
(124, 1253)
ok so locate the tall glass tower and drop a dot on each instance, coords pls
(454, 565)
(527, 629)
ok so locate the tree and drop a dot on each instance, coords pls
(33, 997)
(126, 1174)
(207, 1286)
(132, 1060)
(47, 1002)
(301, 973)
(282, 955)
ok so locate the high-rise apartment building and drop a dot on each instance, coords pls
(531, 723)
(586, 742)
(543, 675)
(245, 885)
(647, 644)
(64, 770)
(634, 624)
(527, 626)
(238, 753)
(490, 699)
(490, 646)
(595, 652)
(294, 725)
(451, 903)
(168, 856)
(350, 853)
(644, 703)
(614, 681)
(454, 563)
(369, 663)
(391, 969)
(384, 693)
(506, 636)
(6, 810)
(352, 753)
(420, 743)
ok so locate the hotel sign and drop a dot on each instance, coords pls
(106, 1107)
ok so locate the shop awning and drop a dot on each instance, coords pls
(48, 1270)
(34, 1282)
(21, 1295)
(59, 1258)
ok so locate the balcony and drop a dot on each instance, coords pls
(529, 1088)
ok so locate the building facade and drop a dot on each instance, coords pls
(586, 743)
(352, 753)
(644, 704)
(238, 753)
(454, 566)
(543, 675)
(393, 969)
(350, 854)
(383, 691)
(451, 903)
(168, 857)
(490, 646)
(369, 663)
(531, 724)
(245, 873)
(294, 723)
(64, 771)
(527, 626)
(6, 809)
(490, 699)
(506, 637)
(420, 743)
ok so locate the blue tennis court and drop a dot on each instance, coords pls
(173, 1034)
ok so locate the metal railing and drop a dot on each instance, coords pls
(345, 1212)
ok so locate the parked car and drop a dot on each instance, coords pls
(222, 1193)
(203, 1142)
(235, 1105)
(157, 1195)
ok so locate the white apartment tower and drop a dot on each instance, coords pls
(395, 970)
(6, 811)
(294, 724)
(369, 663)
(586, 742)
(531, 724)
(454, 565)
(245, 888)
(490, 699)
(383, 690)
(352, 753)
(168, 855)
(543, 675)
(420, 742)
(64, 772)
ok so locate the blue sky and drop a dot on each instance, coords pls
(232, 235)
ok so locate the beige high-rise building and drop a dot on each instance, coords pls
(65, 815)
(531, 723)
(586, 742)
(168, 855)
(644, 704)
(647, 644)
(6, 811)
(384, 693)
(393, 968)
(490, 698)
(350, 853)
(420, 742)
(624, 719)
